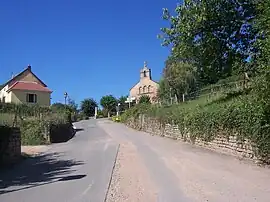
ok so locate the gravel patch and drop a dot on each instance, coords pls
(34, 150)
(131, 180)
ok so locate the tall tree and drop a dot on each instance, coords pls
(263, 25)
(211, 35)
(88, 106)
(109, 103)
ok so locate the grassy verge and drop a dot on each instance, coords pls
(235, 113)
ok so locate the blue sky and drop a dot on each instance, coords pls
(87, 48)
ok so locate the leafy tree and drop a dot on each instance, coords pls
(123, 104)
(72, 105)
(211, 35)
(144, 99)
(178, 78)
(263, 25)
(109, 103)
(58, 106)
(88, 106)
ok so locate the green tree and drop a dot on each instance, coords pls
(88, 106)
(58, 106)
(123, 104)
(211, 35)
(72, 105)
(144, 99)
(263, 25)
(180, 78)
(109, 103)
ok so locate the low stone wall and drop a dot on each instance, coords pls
(10, 144)
(223, 143)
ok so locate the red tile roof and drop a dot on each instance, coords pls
(31, 86)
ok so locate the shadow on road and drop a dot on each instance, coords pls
(38, 171)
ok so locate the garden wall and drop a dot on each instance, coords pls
(10, 145)
(224, 143)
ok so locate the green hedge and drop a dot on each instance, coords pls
(241, 115)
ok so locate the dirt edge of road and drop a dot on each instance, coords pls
(130, 179)
(111, 178)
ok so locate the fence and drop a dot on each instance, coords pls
(209, 93)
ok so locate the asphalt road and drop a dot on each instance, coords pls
(174, 171)
(148, 169)
(76, 171)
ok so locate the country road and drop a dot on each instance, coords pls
(107, 161)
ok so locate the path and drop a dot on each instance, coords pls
(151, 168)
(75, 171)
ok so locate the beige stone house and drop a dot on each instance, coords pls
(26, 88)
(146, 86)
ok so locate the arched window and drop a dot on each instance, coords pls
(140, 90)
(144, 73)
(149, 89)
(144, 89)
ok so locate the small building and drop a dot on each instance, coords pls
(26, 88)
(146, 86)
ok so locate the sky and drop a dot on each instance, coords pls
(86, 48)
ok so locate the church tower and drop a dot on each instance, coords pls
(145, 72)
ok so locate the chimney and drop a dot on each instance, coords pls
(29, 67)
(12, 75)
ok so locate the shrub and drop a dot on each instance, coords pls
(242, 115)
(32, 133)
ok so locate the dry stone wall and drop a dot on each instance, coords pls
(224, 143)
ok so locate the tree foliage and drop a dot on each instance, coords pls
(263, 25)
(88, 107)
(123, 104)
(109, 103)
(144, 99)
(178, 78)
(212, 35)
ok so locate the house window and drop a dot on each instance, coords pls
(31, 98)
(4, 99)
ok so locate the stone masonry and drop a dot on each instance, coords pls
(12, 149)
(222, 143)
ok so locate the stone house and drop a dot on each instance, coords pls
(146, 86)
(26, 88)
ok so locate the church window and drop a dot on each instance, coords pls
(144, 73)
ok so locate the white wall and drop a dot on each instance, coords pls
(4, 93)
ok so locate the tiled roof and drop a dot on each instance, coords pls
(31, 86)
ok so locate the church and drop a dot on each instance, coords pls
(146, 86)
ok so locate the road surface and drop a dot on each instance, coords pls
(151, 168)
(76, 171)
(147, 169)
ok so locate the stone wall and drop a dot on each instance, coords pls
(10, 150)
(224, 143)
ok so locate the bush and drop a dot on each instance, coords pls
(242, 115)
(32, 133)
